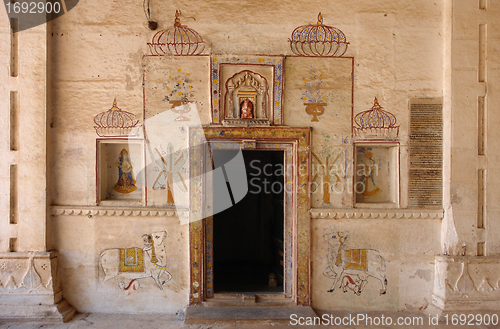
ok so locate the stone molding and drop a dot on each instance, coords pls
(466, 283)
(29, 272)
(118, 211)
(30, 287)
(333, 213)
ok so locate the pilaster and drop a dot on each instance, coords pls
(30, 287)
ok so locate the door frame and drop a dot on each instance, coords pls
(296, 142)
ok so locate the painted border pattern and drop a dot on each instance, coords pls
(118, 211)
(330, 213)
(275, 61)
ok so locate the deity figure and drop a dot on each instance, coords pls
(366, 177)
(126, 181)
(246, 109)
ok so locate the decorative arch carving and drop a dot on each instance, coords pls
(248, 88)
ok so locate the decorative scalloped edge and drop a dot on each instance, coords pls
(373, 214)
(109, 211)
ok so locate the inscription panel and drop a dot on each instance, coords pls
(426, 152)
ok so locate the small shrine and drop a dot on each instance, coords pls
(246, 99)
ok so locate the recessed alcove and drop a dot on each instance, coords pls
(120, 180)
(376, 175)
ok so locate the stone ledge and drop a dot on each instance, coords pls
(118, 211)
(338, 213)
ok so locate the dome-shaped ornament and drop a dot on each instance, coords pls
(115, 122)
(318, 40)
(179, 40)
(376, 122)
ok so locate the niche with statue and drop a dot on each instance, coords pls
(120, 172)
(376, 175)
(247, 90)
(246, 99)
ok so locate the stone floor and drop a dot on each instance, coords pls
(156, 321)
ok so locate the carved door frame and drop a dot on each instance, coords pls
(296, 143)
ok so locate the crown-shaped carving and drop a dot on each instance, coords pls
(318, 40)
(115, 122)
(179, 40)
(375, 123)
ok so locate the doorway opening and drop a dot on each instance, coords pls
(248, 246)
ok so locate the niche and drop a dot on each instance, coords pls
(246, 99)
(120, 174)
(247, 90)
(376, 175)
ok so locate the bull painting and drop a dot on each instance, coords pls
(346, 264)
(136, 263)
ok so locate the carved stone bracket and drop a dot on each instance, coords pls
(118, 211)
(466, 283)
(331, 213)
(30, 288)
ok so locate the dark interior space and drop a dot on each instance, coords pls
(248, 237)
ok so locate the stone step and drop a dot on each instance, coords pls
(249, 299)
(67, 311)
(255, 314)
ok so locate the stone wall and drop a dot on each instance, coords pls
(398, 51)
(97, 49)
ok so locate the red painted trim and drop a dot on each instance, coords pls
(398, 165)
(182, 56)
(98, 148)
(97, 172)
(220, 107)
(352, 98)
(144, 135)
(336, 57)
(212, 93)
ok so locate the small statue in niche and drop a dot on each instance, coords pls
(246, 109)
(126, 181)
(367, 174)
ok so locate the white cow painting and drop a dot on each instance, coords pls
(351, 268)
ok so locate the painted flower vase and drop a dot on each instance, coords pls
(181, 107)
(315, 109)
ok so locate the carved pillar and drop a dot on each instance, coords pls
(263, 94)
(230, 109)
(466, 284)
(29, 288)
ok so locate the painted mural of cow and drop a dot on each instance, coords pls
(359, 263)
(136, 263)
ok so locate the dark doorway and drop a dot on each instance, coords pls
(248, 237)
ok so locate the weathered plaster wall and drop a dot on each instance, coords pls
(84, 238)
(467, 158)
(407, 246)
(97, 54)
(470, 226)
(23, 142)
